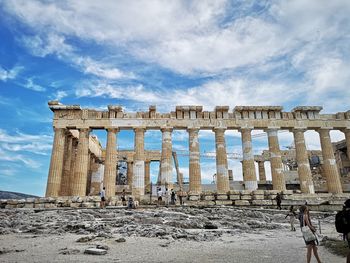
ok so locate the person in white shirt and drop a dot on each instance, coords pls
(103, 198)
(159, 195)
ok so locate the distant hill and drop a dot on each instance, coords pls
(13, 195)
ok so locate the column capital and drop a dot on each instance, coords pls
(55, 129)
(193, 129)
(272, 129)
(139, 129)
(297, 129)
(219, 129)
(166, 129)
(345, 130)
(245, 129)
(84, 129)
(324, 129)
(114, 130)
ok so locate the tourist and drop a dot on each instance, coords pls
(305, 220)
(173, 197)
(292, 214)
(159, 195)
(131, 204)
(103, 198)
(123, 197)
(347, 217)
(278, 201)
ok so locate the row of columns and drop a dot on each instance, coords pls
(72, 165)
(60, 179)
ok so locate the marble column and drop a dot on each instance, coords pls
(304, 171)
(88, 181)
(56, 164)
(97, 171)
(249, 178)
(75, 143)
(110, 172)
(138, 184)
(147, 177)
(222, 180)
(347, 138)
(329, 164)
(278, 180)
(166, 165)
(67, 165)
(195, 187)
(129, 174)
(81, 164)
(262, 173)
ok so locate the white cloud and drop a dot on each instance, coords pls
(9, 74)
(60, 95)
(33, 86)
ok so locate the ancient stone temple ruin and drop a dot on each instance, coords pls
(80, 166)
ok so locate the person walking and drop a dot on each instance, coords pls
(292, 214)
(305, 220)
(103, 198)
(347, 230)
(123, 197)
(278, 201)
(159, 195)
(173, 197)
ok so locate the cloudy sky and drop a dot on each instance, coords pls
(164, 53)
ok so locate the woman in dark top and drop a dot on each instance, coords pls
(305, 220)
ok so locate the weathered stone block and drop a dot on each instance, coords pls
(207, 203)
(88, 204)
(246, 192)
(12, 202)
(235, 197)
(75, 205)
(50, 205)
(246, 197)
(241, 202)
(39, 205)
(287, 192)
(209, 197)
(261, 202)
(223, 202)
(258, 197)
(8, 206)
(222, 197)
(29, 205)
(258, 192)
(234, 192)
(193, 197)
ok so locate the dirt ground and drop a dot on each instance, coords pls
(224, 244)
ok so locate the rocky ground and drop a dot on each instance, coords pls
(179, 234)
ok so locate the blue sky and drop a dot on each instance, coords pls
(164, 53)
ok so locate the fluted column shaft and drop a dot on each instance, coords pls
(129, 173)
(81, 164)
(56, 164)
(222, 180)
(304, 171)
(347, 138)
(97, 171)
(195, 186)
(67, 165)
(249, 174)
(329, 163)
(278, 180)
(72, 164)
(147, 176)
(262, 173)
(89, 174)
(138, 184)
(110, 172)
(166, 166)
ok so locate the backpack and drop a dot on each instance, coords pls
(342, 221)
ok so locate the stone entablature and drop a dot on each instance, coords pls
(257, 117)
